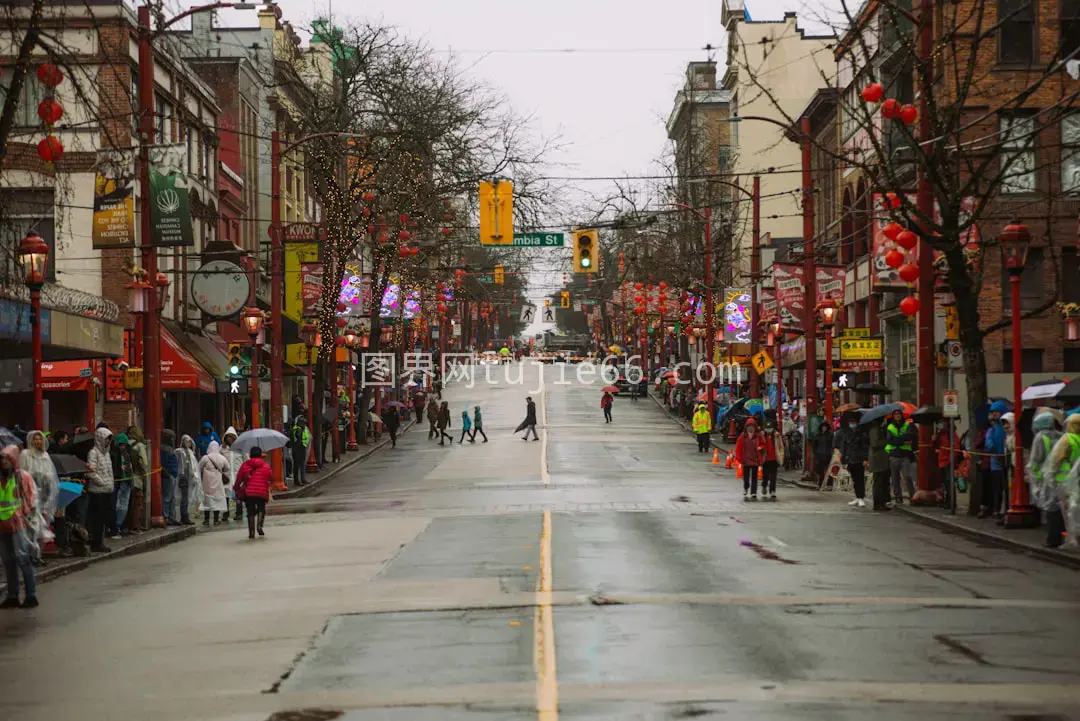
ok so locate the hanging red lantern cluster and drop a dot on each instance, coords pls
(908, 114)
(50, 149)
(909, 306)
(890, 109)
(873, 93)
(49, 110)
(49, 75)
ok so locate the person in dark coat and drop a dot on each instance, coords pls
(823, 449)
(433, 418)
(529, 424)
(443, 423)
(878, 465)
(253, 483)
(391, 422)
(854, 449)
(418, 407)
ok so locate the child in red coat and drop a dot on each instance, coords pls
(750, 452)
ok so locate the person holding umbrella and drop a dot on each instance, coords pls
(391, 422)
(605, 403)
(253, 483)
(529, 424)
(900, 445)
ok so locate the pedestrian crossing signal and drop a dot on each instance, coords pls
(235, 350)
(565, 299)
(586, 248)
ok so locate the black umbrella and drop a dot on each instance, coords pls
(68, 465)
(878, 412)
(927, 415)
(875, 389)
(81, 445)
(1071, 391)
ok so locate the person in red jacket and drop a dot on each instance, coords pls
(253, 481)
(750, 452)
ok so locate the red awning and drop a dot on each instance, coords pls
(71, 375)
(179, 371)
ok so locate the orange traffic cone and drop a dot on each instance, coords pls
(730, 461)
(759, 474)
(716, 456)
(738, 469)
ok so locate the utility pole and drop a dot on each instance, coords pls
(277, 271)
(809, 282)
(755, 278)
(710, 339)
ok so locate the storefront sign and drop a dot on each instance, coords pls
(856, 333)
(311, 275)
(859, 349)
(864, 366)
(220, 288)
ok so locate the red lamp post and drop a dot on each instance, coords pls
(827, 316)
(252, 319)
(776, 339)
(351, 341)
(1015, 240)
(312, 340)
(33, 255)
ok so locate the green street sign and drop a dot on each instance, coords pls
(538, 240)
(485, 278)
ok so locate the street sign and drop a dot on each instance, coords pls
(856, 333)
(861, 348)
(133, 379)
(955, 354)
(762, 362)
(951, 403)
(577, 306)
(538, 240)
(589, 301)
(528, 312)
(952, 323)
(485, 278)
(549, 314)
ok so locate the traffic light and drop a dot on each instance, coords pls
(497, 212)
(586, 250)
(235, 350)
(565, 299)
(499, 277)
(547, 303)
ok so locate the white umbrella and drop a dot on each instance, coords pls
(265, 438)
(1042, 389)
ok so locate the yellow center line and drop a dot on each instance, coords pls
(547, 687)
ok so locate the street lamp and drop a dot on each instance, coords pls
(163, 284)
(352, 340)
(827, 317)
(33, 256)
(312, 339)
(252, 319)
(1015, 241)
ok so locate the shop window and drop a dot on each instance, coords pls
(26, 210)
(1031, 360)
(1070, 153)
(1070, 269)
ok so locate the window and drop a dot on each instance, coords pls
(26, 210)
(32, 94)
(1069, 19)
(1031, 360)
(1016, 32)
(1032, 284)
(1017, 154)
(208, 160)
(1071, 360)
(1070, 262)
(723, 158)
(159, 119)
(1070, 153)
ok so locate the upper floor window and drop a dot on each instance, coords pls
(1016, 32)
(26, 210)
(1070, 153)
(32, 94)
(1069, 24)
(723, 158)
(1017, 154)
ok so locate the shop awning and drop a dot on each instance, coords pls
(74, 375)
(210, 351)
(179, 370)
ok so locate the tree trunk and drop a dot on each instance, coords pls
(21, 68)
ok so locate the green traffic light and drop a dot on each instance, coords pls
(585, 262)
(235, 370)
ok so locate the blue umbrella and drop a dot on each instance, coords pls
(68, 492)
(878, 412)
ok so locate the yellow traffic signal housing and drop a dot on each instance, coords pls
(547, 303)
(586, 250)
(497, 212)
(235, 362)
(565, 299)
(499, 276)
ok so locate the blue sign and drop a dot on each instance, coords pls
(15, 322)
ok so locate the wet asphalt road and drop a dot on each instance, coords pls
(604, 572)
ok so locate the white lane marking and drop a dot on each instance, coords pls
(777, 542)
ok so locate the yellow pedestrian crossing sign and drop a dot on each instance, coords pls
(762, 362)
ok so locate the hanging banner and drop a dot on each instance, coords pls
(114, 199)
(766, 304)
(355, 292)
(736, 314)
(790, 294)
(311, 287)
(885, 277)
(830, 283)
(170, 205)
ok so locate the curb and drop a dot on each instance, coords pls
(357, 456)
(1060, 558)
(142, 545)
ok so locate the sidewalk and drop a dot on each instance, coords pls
(1029, 541)
(331, 470)
(127, 546)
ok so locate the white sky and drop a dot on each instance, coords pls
(607, 100)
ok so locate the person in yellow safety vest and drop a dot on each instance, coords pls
(1064, 463)
(1044, 487)
(17, 498)
(702, 424)
(900, 438)
(301, 441)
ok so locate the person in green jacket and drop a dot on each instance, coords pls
(878, 466)
(478, 424)
(1064, 463)
(702, 425)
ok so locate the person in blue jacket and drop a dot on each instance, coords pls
(995, 487)
(206, 437)
(170, 475)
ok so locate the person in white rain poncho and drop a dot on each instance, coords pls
(187, 478)
(1044, 488)
(1064, 466)
(35, 460)
(214, 477)
(235, 459)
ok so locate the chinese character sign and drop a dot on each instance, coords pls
(378, 369)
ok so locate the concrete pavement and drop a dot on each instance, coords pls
(603, 572)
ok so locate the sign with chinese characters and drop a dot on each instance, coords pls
(378, 369)
(736, 311)
(856, 333)
(220, 288)
(170, 205)
(311, 287)
(861, 349)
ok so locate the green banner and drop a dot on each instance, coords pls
(170, 206)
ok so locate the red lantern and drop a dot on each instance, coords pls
(892, 230)
(50, 149)
(894, 259)
(908, 114)
(404, 235)
(621, 256)
(371, 228)
(442, 308)
(369, 196)
(403, 218)
(907, 240)
(638, 286)
(661, 298)
(873, 93)
(416, 251)
(639, 310)
(890, 109)
(662, 309)
(894, 200)
(50, 111)
(663, 285)
(383, 237)
(49, 75)
(341, 322)
(909, 272)
(403, 253)
(341, 307)
(909, 305)
(445, 231)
